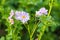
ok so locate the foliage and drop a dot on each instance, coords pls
(44, 27)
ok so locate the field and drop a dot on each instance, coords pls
(29, 19)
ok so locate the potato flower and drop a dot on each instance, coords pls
(22, 16)
(41, 12)
(10, 17)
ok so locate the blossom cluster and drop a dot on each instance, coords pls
(19, 15)
(10, 17)
(41, 12)
(24, 16)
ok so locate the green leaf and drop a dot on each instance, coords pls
(2, 38)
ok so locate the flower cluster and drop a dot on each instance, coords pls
(19, 15)
(10, 17)
(41, 12)
(24, 16)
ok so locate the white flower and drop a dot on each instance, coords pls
(22, 16)
(11, 21)
(41, 12)
(11, 14)
(10, 17)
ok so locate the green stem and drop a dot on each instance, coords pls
(27, 27)
(29, 31)
(50, 10)
(41, 33)
(44, 27)
(13, 34)
(35, 26)
(50, 4)
(30, 38)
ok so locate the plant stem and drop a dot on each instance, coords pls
(50, 4)
(44, 27)
(42, 32)
(35, 26)
(29, 32)
(30, 38)
(13, 34)
(27, 27)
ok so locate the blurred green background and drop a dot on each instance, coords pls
(31, 6)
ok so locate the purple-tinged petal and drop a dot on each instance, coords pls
(22, 16)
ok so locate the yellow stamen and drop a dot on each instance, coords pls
(23, 16)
